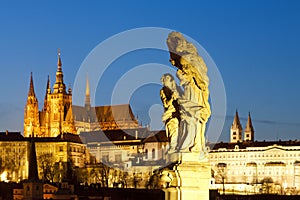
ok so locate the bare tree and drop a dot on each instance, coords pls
(48, 166)
(267, 184)
(221, 174)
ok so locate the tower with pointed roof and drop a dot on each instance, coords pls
(87, 100)
(57, 114)
(33, 187)
(56, 117)
(249, 130)
(31, 114)
(236, 129)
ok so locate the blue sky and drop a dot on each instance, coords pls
(255, 44)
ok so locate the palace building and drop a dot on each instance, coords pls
(248, 166)
(53, 155)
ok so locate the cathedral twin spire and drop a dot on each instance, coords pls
(236, 129)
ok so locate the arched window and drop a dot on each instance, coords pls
(153, 153)
(146, 154)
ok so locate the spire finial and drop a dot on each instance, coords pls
(59, 86)
(31, 87)
(87, 102)
(48, 89)
(59, 64)
(236, 120)
(249, 126)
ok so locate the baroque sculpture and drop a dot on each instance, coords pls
(187, 108)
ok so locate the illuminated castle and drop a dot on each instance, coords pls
(56, 116)
(59, 116)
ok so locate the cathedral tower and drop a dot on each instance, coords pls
(249, 130)
(57, 111)
(31, 114)
(236, 129)
(56, 117)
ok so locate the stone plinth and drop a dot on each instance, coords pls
(191, 177)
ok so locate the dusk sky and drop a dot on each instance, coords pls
(255, 45)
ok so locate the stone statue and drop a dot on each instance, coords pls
(171, 117)
(194, 109)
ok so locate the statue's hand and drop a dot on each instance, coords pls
(204, 115)
(175, 95)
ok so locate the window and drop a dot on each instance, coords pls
(153, 153)
(146, 154)
(118, 158)
(247, 135)
(234, 133)
(105, 158)
(55, 116)
(61, 148)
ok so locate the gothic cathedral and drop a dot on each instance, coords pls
(56, 117)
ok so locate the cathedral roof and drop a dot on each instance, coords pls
(109, 113)
(80, 113)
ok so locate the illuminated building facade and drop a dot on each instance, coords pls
(255, 167)
(53, 155)
(110, 117)
(56, 116)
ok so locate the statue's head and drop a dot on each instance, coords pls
(168, 81)
(183, 77)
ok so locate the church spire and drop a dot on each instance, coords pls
(236, 129)
(59, 86)
(236, 121)
(31, 118)
(33, 186)
(33, 170)
(31, 87)
(249, 126)
(59, 63)
(48, 88)
(48, 91)
(87, 101)
(249, 130)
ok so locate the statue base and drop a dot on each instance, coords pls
(191, 176)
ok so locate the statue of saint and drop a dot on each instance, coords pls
(171, 117)
(194, 108)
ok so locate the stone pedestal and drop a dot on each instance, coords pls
(191, 177)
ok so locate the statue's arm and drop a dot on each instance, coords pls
(164, 99)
